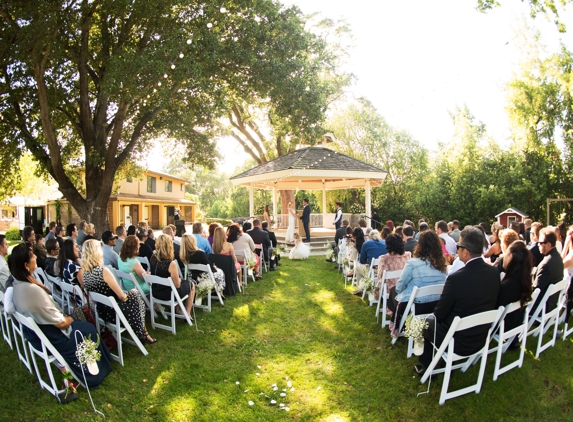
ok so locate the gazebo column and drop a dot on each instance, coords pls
(251, 199)
(275, 207)
(367, 200)
(323, 204)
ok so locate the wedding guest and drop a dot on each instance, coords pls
(373, 248)
(51, 264)
(4, 270)
(362, 224)
(81, 233)
(191, 254)
(202, 243)
(300, 250)
(144, 250)
(150, 241)
(110, 257)
(222, 247)
(99, 279)
(409, 241)
(426, 268)
(212, 228)
(70, 264)
(121, 234)
(32, 299)
(244, 246)
(128, 263)
(40, 250)
(28, 235)
(131, 230)
(90, 232)
(60, 230)
(395, 259)
(356, 242)
(267, 214)
(494, 250)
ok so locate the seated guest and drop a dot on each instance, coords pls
(534, 247)
(261, 237)
(72, 232)
(131, 230)
(422, 226)
(247, 226)
(202, 243)
(128, 263)
(426, 268)
(494, 250)
(410, 242)
(516, 284)
(163, 264)
(441, 228)
(506, 238)
(110, 256)
(176, 246)
(390, 225)
(40, 250)
(28, 235)
(371, 249)
(212, 228)
(69, 263)
(90, 232)
(355, 246)
(243, 246)
(176, 240)
(4, 270)
(121, 234)
(32, 299)
(144, 250)
(395, 259)
(51, 233)
(60, 230)
(99, 279)
(51, 266)
(274, 242)
(191, 254)
(471, 290)
(150, 241)
(362, 224)
(550, 270)
(338, 236)
(81, 232)
(222, 247)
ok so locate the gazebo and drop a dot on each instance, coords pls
(311, 168)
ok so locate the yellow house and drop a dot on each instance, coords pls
(153, 199)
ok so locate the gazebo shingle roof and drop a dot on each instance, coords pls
(306, 158)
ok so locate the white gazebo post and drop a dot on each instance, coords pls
(367, 200)
(251, 199)
(323, 204)
(275, 207)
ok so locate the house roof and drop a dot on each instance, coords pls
(512, 211)
(311, 168)
(166, 175)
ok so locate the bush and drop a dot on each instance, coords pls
(13, 234)
(223, 222)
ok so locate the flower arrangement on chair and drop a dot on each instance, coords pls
(414, 330)
(279, 250)
(366, 284)
(88, 354)
(204, 286)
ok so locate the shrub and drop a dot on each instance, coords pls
(13, 234)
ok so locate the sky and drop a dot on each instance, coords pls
(416, 60)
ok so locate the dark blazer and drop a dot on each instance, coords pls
(549, 271)
(272, 237)
(340, 233)
(261, 237)
(151, 243)
(306, 214)
(537, 255)
(146, 251)
(470, 290)
(410, 245)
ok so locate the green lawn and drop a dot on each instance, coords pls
(299, 323)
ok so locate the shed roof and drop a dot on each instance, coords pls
(512, 211)
(311, 168)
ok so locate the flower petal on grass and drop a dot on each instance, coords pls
(289, 384)
(237, 383)
(283, 394)
(273, 402)
(251, 403)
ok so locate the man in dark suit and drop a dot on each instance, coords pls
(261, 237)
(471, 290)
(337, 216)
(550, 269)
(305, 218)
(273, 238)
(409, 241)
(338, 236)
(534, 247)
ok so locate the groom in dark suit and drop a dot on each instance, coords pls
(471, 290)
(305, 218)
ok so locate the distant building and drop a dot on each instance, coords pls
(510, 215)
(153, 199)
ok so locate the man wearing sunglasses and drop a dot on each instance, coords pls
(550, 270)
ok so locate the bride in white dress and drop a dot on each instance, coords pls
(289, 237)
(301, 250)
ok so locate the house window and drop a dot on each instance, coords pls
(168, 186)
(181, 189)
(151, 182)
(511, 220)
(129, 180)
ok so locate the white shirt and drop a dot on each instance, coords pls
(338, 215)
(4, 273)
(451, 245)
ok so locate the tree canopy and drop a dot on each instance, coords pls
(85, 84)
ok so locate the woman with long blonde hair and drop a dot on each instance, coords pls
(163, 264)
(99, 279)
(191, 254)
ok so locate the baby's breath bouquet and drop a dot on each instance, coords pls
(366, 284)
(345, 261)
(252, 262)
(329, 252)
(204, 285)
(88, 354)
(415, 327)
(281, 248)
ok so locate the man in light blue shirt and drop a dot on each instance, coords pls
(202, 243)
(110, 256)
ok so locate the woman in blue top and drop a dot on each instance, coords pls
(428, 267)
(371, 249)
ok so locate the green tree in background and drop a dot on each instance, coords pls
(544, 7)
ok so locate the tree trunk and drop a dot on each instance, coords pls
(286, 197)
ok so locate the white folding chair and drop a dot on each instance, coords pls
(171, 303)
(54, 284)
(261, 255)
(373, 274)
(417, 293)
(446, 352)
(547, 319)
(22, 345)
(130, 276)
(505, 338)
(70, 291)
(117, 327)
(5, 322)
(564, 318)
(118, 279)
(144, 260)
(207, 269)
(48, 353)
(40, 275)
(245, 267)
(385, 295)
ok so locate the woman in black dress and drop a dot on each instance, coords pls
(99, 279)
(163, 264)
(516, 284)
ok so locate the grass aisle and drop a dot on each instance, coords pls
(299, 323)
